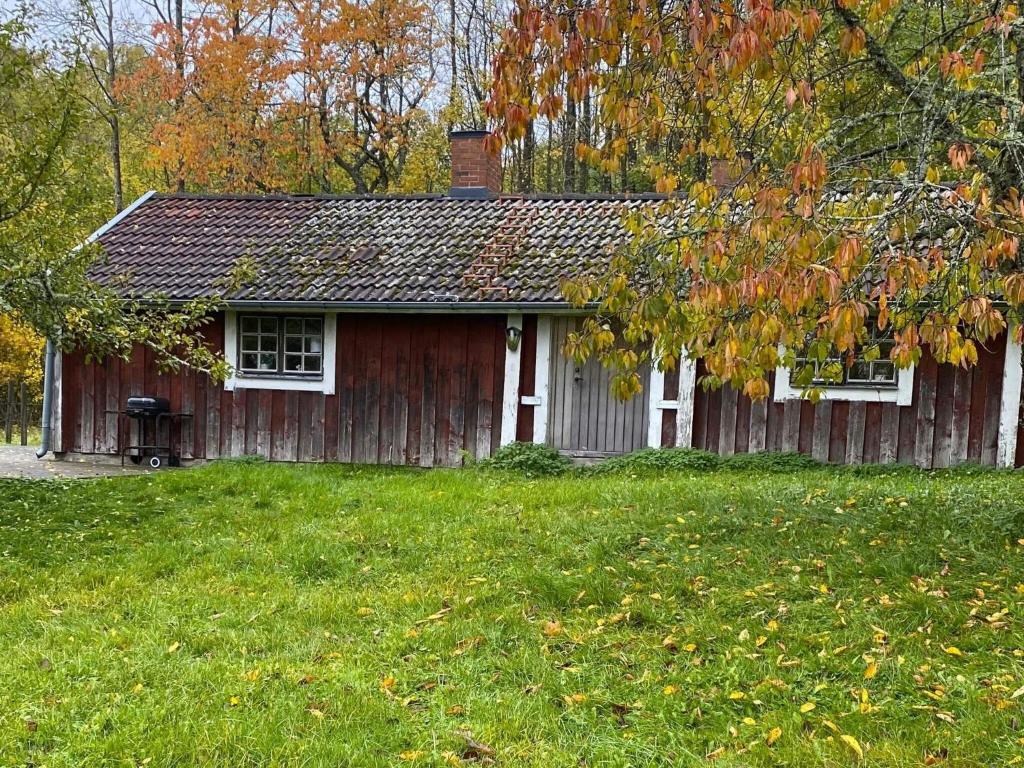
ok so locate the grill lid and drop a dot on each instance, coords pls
(147, 406)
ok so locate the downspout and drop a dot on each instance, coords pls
(47, 425)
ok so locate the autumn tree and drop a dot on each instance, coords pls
(213, 82)
(51, 197)
(867, 156)
(365, 71)
(96, 32)
(312, 95)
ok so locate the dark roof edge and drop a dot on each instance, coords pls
(412, 306)
(566, 197)
(468, 307)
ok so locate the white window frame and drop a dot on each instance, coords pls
(290, 383)
(901, 394)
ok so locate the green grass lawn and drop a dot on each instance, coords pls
(250, 614)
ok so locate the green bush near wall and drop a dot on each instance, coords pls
(528, 459)
(532, 460)
(659, 460)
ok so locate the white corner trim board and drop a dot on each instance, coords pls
(542, 378)
(1009, 406)
(687, 390)
(286, 383)
(901, 394)
(682, 405)
(510, 393)
(655, 400)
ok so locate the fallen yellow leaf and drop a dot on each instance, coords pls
(553, 628)
(952, 650)
(853, 744)
(173, 647)
(805, 708)
(871, 671)
(773, 735)
(737, 695)
(668, 690)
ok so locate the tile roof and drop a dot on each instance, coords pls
(365, 249)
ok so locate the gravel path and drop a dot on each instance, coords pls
(21, 461)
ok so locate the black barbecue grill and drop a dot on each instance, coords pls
(138, 407)
(154, 424)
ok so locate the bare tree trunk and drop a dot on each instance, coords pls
(526, 167)
(454, 59)
(569, 146)
(606, 175)
(547, 158)
(583, 175)
(624, 169)
(179, 67)
(115, 159)
(115, 106)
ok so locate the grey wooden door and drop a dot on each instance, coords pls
(585, 417)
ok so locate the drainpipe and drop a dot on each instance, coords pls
(51, 352)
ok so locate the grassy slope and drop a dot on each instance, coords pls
(257, 615)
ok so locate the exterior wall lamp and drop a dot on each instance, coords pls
(513, 336)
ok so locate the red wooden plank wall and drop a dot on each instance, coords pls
(953, 418)
(410, 389)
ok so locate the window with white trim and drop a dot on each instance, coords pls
(870, 365)
(289, 351)
(281, 345)
(867, 375)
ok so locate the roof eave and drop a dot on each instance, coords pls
(421, 307)
(479, 307)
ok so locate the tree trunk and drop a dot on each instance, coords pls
(569, 146)
(583, 175)
(115, 159)
(179, 68)
(454, 59)
(547, 161)
(526, 167)
(115, 119)
(606, 175)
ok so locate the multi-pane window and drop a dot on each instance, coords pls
(871, 365)
(279, 344)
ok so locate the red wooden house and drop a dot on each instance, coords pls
(420, 330)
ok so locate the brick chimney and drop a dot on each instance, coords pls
(476, 173)
(726, 173)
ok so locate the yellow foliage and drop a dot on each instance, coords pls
(20, 353)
